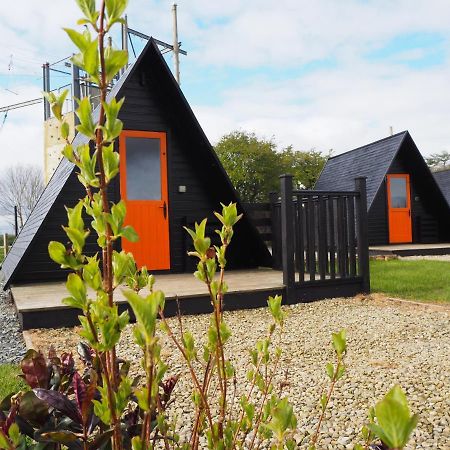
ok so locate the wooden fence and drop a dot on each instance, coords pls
(324, 237)
(318, 238)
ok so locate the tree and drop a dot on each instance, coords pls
(254, 164)
(20, 185)
(305, 166)
(438, 160)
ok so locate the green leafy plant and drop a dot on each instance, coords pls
(102, 407)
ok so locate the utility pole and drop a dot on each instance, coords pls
(124, 40)
(16, 222)
(176, 47)
(46, 86)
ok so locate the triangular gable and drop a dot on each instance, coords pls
(41, 214)
(371, 161)
(415, 163)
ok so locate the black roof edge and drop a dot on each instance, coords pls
(369, 144)
(430, 173)
(406, 133)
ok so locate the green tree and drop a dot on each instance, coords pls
(305, 166)
(252, 163)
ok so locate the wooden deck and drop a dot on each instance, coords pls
(410, 249)
(39, 305)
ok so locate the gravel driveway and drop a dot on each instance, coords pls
(12, 346)
(389, 342)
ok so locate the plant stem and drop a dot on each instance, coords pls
(112, 373)
(324, 408)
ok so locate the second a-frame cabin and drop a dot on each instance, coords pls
(169, 178)
(405, 204)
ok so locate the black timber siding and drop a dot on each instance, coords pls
(377, 219)
(38, 265)
(153, 103)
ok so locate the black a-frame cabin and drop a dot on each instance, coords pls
(405, 204)
(169, 177)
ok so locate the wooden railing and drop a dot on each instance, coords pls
(323, 236)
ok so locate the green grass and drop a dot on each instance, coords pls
(420, 280)
(9, 381)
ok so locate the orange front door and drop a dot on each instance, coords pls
(399, 208)
(143, 187)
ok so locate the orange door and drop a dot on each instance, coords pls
(399, 208)
(143, 187)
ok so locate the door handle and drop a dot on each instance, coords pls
(164, 208)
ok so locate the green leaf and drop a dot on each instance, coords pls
(129, 233)
(275, 308)
(114, 61)
(395, 423)
(81, 40)
(91, 273)
(110, 162)
(61, 256)
(146, 310)
(115, 9)
(65, 130)
(323, 401)
(75, 216)
(57, 252)
(77, 289)
(87, 7)
(330, 370)
(77, 237)
(4, 441)
(339, 342)
(84, 114)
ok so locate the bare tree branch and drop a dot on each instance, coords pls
(20, 185)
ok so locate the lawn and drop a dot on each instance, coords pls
(422, 280)
(9, 381)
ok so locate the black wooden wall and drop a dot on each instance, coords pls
(153, 103)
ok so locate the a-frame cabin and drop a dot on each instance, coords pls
(405, 204)
(169, 177)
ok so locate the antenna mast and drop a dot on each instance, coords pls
(176, 46)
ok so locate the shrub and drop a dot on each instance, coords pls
(102, 406)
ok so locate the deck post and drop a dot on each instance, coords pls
(274, 225)
(287, 237)
(362, 234)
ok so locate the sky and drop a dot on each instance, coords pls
(326, 74)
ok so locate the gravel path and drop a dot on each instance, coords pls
(428, 257)
(389, 342)
(12, 346)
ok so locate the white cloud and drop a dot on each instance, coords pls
(338, 108)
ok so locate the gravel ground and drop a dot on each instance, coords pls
(389, 342)
(429, 257)
(12, 346)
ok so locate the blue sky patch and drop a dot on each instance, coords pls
(418, 50)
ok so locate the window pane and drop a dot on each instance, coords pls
(143, 169)
(398, 193)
